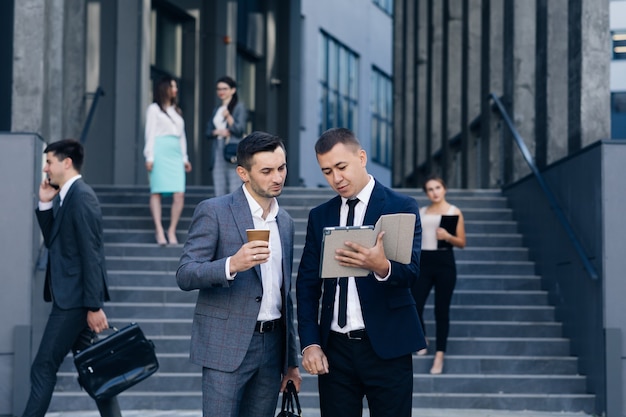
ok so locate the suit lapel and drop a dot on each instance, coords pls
(61, 209)
(285, 243)
(375, 205)
(243, 218)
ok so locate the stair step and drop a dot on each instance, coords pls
(146, 400)
(528, 346)
(505, 350)
(498, 282)
(454, 364)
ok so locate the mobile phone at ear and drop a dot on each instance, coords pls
(56, 187)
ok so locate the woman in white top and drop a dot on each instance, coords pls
(166, 156)
(227, 125)
(437, 264)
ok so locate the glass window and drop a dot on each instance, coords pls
(386, 5)
(618, 115)
(338, 85)
(382, 118)
(619, 45)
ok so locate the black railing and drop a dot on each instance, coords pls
(96, 96)
(591, 270)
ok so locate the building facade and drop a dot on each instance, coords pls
(618, 69)
(301, 67)
(547, 60)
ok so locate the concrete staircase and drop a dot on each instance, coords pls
(505, 351)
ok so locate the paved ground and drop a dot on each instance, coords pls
(315, 413)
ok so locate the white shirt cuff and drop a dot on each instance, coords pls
(385, 278)
(43, 206)
(227, 271)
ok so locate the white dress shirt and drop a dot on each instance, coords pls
(272, 270)
(161, 124)
(354, 316)
(62, 193)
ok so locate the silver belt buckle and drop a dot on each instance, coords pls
(349, 334)
(262, 326)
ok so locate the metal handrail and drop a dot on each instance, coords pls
(591, 270)
(99, 92)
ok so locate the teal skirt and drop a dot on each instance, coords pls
(168, 171)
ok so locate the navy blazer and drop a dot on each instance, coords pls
(388, 308)
(76, 272)
(226, 311)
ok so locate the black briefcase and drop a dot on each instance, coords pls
(291, 403)
(116, 363)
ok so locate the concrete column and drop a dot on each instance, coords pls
(492, 53)
(132, 92)
(73, 76)
(405, 95)
(399, 104)
(422, 80)
(436, 78)
(54, 67)
(589, 70)
(557, 102)
(472, 87)
(523, 99)
(48, 68)
(29, 56)
(454, 99)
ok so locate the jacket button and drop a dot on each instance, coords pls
(258, 299)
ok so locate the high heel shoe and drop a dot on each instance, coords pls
(171, 236)
(437, 368)
(160, 238)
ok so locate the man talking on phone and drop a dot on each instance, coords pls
(76, 281)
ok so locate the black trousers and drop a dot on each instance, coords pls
(357, 372)
(65, 330)
(438, 270)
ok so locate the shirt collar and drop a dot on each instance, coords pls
(365, 194)
(67, 185)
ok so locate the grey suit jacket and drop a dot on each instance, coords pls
(226, 311)
(76, 272)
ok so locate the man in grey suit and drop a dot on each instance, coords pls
(71, 223)
(243, 333)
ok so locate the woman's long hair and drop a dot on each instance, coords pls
(161, 94)
(232, 84)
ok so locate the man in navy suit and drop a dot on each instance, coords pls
(243, 332)
(76, 282)
(363, 349)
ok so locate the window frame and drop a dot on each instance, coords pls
(381, 114)
(339, 85)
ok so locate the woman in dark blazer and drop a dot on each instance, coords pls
(227, 125)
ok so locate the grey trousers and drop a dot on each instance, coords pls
(225, 177)
(252, 389)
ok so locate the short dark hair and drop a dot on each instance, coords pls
(333, 136)
(254, 143)
(433, 177)
(68, 148)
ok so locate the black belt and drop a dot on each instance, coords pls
(267, 326)
(360, 334)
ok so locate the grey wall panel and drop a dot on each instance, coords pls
(589, 186)
(19, 238)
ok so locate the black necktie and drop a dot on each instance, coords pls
(343, 281)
